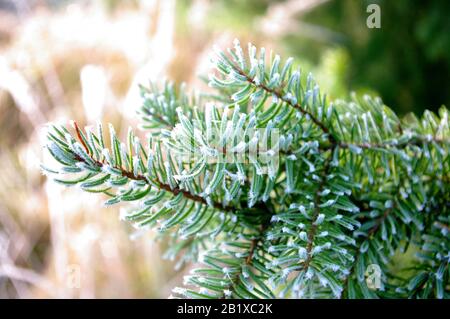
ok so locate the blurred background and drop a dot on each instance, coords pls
(82, 60)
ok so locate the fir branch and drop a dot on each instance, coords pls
(139, 177)
(249, 259)
(312, 232)
(344, 169)
(278, 93)
(413, 141)
(370, 234)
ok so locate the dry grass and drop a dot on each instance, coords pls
(82, 62)
(77, 62)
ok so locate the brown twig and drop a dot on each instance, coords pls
(161, 185)
(312, 232)
(77, 130)
(280, 96)
(249, 259)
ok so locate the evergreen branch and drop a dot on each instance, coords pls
(337, 171)
(159, 106)
(278, 93)
(432, 269)
(372, 232)
(130, 175)
(417, 141)
(174, 190)
(235, 69)
(249, 259)
(161, 119)
(166, 187)
(312, 232)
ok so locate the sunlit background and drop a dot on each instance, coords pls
(82, 60)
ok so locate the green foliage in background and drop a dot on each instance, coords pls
(407, 60)
(354, 185)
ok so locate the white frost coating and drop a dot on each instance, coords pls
(320, 219)
(303, 236)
